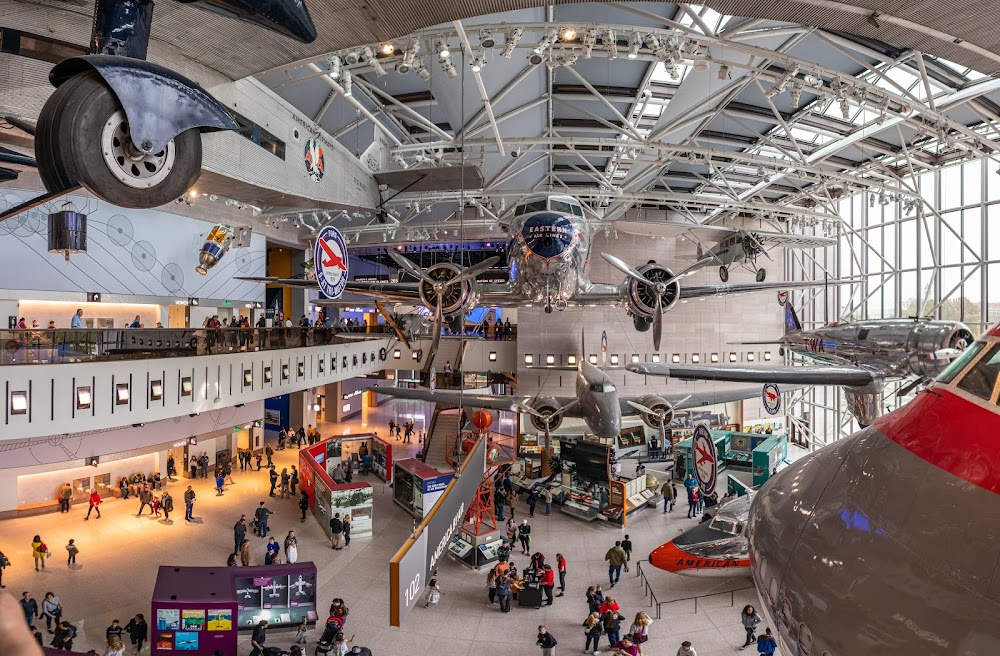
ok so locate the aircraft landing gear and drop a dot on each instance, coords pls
(561, 304)
(724, 274)
(83, 137)
(761, 274)
(642, 324)
(548, 309)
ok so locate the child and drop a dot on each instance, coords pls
(546, 641)
(340, 647)
(156, 505)
(73, 551)
(433, 593)
(300, 637)
(220, 481)
(627, 546)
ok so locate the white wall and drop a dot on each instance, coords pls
(217, 382)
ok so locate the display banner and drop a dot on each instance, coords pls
(417, 559)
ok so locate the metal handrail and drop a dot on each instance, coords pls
(653, 601)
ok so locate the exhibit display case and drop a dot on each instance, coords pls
(417, 486)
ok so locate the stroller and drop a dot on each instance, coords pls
(334, 625)
(274, 651)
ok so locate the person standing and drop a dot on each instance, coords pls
(114, 630)
(269, 452)
(627, 548)
(639, 631)
(273, 475)
(258, 638)
(766, 644)
(503, 592)
(261, 515)
(138, 631)
(547, 583)
(95, 504)
(291, 548)
(612, 626)
(336, 531)
(167, 502)
(65, 494)
(285, 482)
(239, 533)
(30, 608)
(4, 564)
(304, 505)
(189, 499)
(347, 530)
(220, 482)
(76, 322)
(750, 619)
(294, 480)
(51, 610)
(532, 500)
(546, 641)
(547, 497)
(171, 465)
(72, 551)
(271, 551)
(194, 467)
(38, 551)
(433, 593)
(616, 559)
(145, 499)
(115, 647)
(686, 649)
(498, 502)
(561, 568)
(64, 636)
(245, 553)
(669, 496)
(592, 629)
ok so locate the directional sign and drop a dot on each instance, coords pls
(331, 262)
(706, 464)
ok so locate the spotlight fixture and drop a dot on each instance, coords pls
(796, 94)
(511, 39)
(589, 38)
(486, 39)
(373, 61)
(352, 58)
(448, 67)
(406, 64)
(546, 41)
(334, 66)
(535, 58)
(441, 47)
(633, 45)
(422, 71)
(610, 41)
(478, 63)
(387, 49)
(725, 72)
(568, 34)
(345, 81)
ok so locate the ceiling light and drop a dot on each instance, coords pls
(373, 61)
(448, 67)
(442, 49)
(633, 46)
(511, 39)
(547, 40)
(813, 80)
(486, 39)
(352, 58)
(725, 72)
(387, 49)
(796, 94)
(589, 38)
(700, 65)
(611, 43)
(568, 34)
(404, 66)
(334, 67)
(422, 71)
(345, 81)
(478, 63)
(652, 41)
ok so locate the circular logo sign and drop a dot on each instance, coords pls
(782, 298)
(771, 396)
(706, 464)
(313, 158)
(548, 234)
(331, 262)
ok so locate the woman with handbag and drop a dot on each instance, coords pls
(640, 629)
(51, 610)
(38, 551)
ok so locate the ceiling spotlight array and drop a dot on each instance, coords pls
(546, 41)
(478, 62)
(589, 39)
(405, 65)
(486, 39)
(634, 43)
(611, 43)
(511, 39)
(779, 86)
(373, 61)
(345, 81)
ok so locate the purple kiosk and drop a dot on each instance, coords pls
(200, 609)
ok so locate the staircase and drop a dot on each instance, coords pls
(444, 422)
(449, 350)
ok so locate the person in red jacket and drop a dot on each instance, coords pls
(548, 582)
(95, 504)
(561, 567)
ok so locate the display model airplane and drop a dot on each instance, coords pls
(884, 543)
(548, 253)
(596, 402)
(713, 548)
(859, 356)
(738, 246)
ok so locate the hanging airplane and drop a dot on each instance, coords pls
(737, 246)
(596, 402)
(885, 543)
(714, 548)
(548, 253)
(859, 356)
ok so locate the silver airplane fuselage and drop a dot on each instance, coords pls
(598, 399)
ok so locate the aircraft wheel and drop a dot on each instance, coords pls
(724, 274)
(83, 137)
(761, 274)
(548, 309)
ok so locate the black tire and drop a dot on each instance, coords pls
(52, 168)
(724, 274)
(761, 274)
(642, 324)
(80, 108)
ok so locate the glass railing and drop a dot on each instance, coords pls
(91, 345)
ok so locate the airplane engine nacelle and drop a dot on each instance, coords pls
(640, 299)
(458, 298)
(935, 345)
(659, 404)
(546, 405)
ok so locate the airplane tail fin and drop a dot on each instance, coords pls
(701, 252)
(791, 320)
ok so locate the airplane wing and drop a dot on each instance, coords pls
(698, 291)
(397, 291)
(806, 375)
(684, 400)
(455, 397)
(789, 240)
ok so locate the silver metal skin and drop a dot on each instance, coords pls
(598, 401)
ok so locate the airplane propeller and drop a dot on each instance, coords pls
(440, 286)
(661, 415)
(659, 288)
(547, 421)
(758, 245)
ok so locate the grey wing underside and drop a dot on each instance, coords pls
(452, 397)
(805, 375)
(683, 400)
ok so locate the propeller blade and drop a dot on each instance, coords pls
(657, 322)
(524, 407)
(474, 271)
(436, 339)
(563, 409)
(410, 267)
(624, 268)
(641, 408)
(903, 391)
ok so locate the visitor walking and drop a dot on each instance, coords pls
(95, 504)
(546, 641)
(639, 631)
(336, 531)
(766, 644)
(167, 503)
(71, 551)
(561, 568)
(750, 619)
(261, 515)
(347, 530)
(39, 552)
(524, 535)
(138, 631)
(239, 533)
(304, 505)
(592, 630)
(616, 559)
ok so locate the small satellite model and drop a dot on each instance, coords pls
(220, 240)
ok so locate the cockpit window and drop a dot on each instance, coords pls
(982, 377)
(960, 362)
(560, 206)
(577, 210)
(726, 526)
(608, 388)
(604, 388)
(534, 206)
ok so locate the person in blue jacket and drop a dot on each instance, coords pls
(766, 644)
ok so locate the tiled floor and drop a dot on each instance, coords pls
(119, 555)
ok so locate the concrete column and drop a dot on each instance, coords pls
(300, 297)
(300, 409)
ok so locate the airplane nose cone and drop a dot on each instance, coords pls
(666, 556)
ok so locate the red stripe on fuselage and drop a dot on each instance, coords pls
(949, 432)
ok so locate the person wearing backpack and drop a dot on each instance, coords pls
(612, 626)
(4, 564)
(766, 643)
(546, 641)
(64, 636)
(592, 629)
(167, 503)
(503, 593)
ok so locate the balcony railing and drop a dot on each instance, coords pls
(91, 345)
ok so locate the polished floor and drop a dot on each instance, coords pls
(120, 552)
